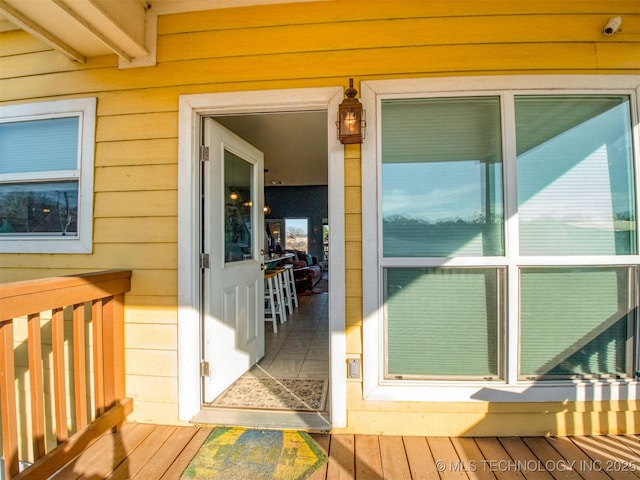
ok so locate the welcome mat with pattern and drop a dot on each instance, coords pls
(302, 394)
(235, 453)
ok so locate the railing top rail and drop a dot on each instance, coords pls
(31, 296)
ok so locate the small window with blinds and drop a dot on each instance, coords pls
(46, 170)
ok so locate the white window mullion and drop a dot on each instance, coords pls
(512, 237)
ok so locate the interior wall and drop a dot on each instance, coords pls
(310, 201)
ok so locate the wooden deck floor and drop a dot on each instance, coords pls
(141, 451)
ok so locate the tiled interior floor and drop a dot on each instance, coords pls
(300, 349)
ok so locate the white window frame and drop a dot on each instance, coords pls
(510, 389)
(85, 110)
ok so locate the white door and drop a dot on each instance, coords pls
(233, 237)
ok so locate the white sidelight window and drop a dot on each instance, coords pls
(46, 176)
(506, 240)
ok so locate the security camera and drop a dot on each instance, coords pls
(612, 26)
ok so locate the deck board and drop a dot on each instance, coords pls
(447, 458)
(546, 453)
(394, 459)
(162, 459)
(186, 454)
(471, 459)
(341, 464)
(499, 460)
(150, 452)
(519, 451)
(421, 462)
(572, 453)
(368, 463)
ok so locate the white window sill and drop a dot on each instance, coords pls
(547, 391)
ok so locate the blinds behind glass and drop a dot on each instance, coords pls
(574, 176)
(39, 145)
(442, 177)
(574, 321)
(442, 322)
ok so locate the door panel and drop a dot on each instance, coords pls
(233, 236)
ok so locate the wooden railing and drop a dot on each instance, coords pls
(102, 295)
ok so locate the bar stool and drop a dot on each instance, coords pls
(274, 306)
(286, 290)
(291, 281)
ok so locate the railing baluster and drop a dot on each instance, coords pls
(79, 366)
(34, 343)
(108, 341)
(98, 357)
(118, 347)
(8, 400)
(59, 386)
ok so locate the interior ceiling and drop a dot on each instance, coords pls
(294, 144)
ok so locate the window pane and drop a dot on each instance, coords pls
(238, 175)
(442, 322)
(575, 176)
(39, 208)
(574, 321)
(442, 177)
(296, 234)
(39, 145)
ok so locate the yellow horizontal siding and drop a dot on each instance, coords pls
(137, 152)
(136, 204)
(340, 11)
(47, 61)
(136, 127)
(358, 36)
(135, 178)
(369, 63)
(288, 46)
(143, 229)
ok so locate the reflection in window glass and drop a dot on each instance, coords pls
(39, 208)
(442, 177)
(238, 181)
(574, 321)
(575, 176)
(442, 322)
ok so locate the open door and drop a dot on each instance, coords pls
(233, 239)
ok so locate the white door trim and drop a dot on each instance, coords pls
(191, 109)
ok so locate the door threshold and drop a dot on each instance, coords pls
(317, 422)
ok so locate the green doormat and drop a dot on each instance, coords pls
(232, 453)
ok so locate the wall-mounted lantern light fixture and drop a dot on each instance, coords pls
(351, 117)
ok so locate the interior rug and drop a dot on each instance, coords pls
(302, 394)
(235, 453)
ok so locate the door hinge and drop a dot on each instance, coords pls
(204, 369)
(204, 260)
(204, 153)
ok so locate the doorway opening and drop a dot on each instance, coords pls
(193, 109)
(290, 383)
